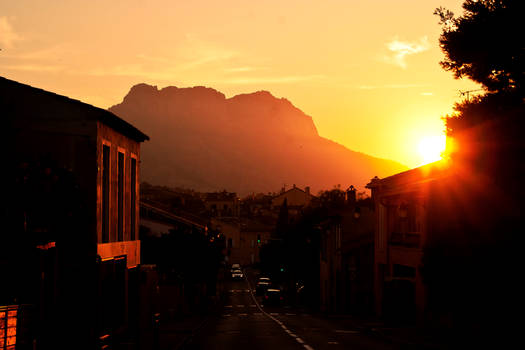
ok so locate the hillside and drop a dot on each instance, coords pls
(248, 143)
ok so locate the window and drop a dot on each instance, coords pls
(120, 196)
(8, 325)
(105, 193)
(133, 191)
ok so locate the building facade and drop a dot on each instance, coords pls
(75, 170)
(401, 229)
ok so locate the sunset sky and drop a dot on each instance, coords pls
(367, 71)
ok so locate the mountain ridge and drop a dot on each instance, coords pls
(251, 142)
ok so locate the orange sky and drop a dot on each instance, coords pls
(366, 70)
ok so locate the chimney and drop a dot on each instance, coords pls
(307, 189)
(350, 195)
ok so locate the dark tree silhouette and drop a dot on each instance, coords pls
(484, 45)
(475, 220)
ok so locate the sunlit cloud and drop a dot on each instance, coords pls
(390, 86)
(32, 67)
(242, 69)
(271, 80)
(401, 49)
(7, 34)
(135, 70)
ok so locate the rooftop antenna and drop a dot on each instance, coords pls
(467, 92)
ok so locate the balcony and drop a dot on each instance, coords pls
(405, 239)
(129, 248)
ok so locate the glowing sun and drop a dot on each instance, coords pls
(430, 148)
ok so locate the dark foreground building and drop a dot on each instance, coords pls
(69, 243)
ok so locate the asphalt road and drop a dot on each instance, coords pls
(245, 324)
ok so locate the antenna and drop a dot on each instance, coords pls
(467, 92)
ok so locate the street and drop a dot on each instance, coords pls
(246, 324)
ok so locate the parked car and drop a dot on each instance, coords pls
(237, 275)
(273, 297)
(262, 285)
(236, 266)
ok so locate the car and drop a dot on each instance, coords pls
(273, 297)
(236, 266)
(237, 275)
(262, 284)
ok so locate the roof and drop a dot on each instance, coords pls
(221, 196)
(423, 173)
(292, 189)
(95, 113)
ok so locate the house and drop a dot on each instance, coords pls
(402, 216)
(295, 198)
(243, 238)
(73, 211)
(222, 204)
(346, 258)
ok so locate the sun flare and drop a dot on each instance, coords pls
(431, 148)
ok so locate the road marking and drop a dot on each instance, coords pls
(283, 326)
(239, 305)
(333, 343)
(243, 314)
(345, 331)
(247, 290)
(289, 314)
(227, 315)
(274, 314)
(229, 306)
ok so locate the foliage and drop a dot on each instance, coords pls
(471, 256)
(484, 44)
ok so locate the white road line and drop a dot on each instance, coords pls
(239, 305)
(289, 314)
(333, 343)
(345, 331)
(229, 306)
(243, 314)
(299, 340)
(227, 315)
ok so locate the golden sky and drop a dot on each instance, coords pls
(367, 71)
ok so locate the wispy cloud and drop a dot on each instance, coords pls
(7, 34)
(390, 86)
(271, 80)
(399, 50)
(32, 67)
(242, 69)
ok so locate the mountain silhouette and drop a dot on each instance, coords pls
(248, 143)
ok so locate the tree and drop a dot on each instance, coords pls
(475, 219)
(484, 44)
